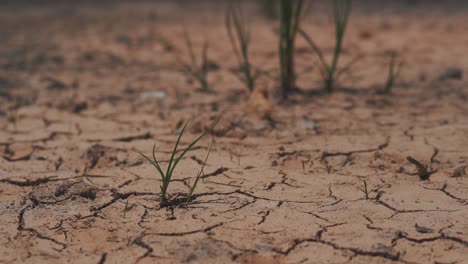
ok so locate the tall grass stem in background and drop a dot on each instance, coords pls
(291, 15)
(193, 68)
(394, 70)
(341, 13)
(239, 35)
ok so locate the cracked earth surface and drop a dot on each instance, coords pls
(330, 179)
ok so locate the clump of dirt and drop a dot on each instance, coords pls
(47, 194)
(259, 103)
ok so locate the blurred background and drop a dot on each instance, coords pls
(119, 48)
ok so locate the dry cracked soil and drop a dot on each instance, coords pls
(347, 177)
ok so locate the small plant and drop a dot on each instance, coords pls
(365, 191)
(197, 70)
(341, 13)
(239, 35)
(291, 15)
(423, 171)
(173, 162)
(394, 70)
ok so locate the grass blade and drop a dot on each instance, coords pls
(169, 169)
(185, 151)
(394, 70)
(239, 36)
(155, 164)
(291, 15)
(200, 173)
(196, 71)
(315, 47)
(189, 147)
(330, 73)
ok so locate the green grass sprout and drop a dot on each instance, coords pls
(239, 35)
(341, 14)
(291, 15)
(166, 176)
(193, 68)
(394, 71)
(199, 174)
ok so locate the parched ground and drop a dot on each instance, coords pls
(325, 180)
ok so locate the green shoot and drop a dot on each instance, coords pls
(365, 190)
(393, 74)
(173, 162)
(341, 13)
(199, 174)
(239, 35)
(291, 15)
(194, 69)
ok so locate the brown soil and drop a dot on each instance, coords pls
(324, 178)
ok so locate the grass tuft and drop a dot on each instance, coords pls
(394, 71)
(341, 13)
(166, 175)
(193, 68)
(291, 15)
(239, 34)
